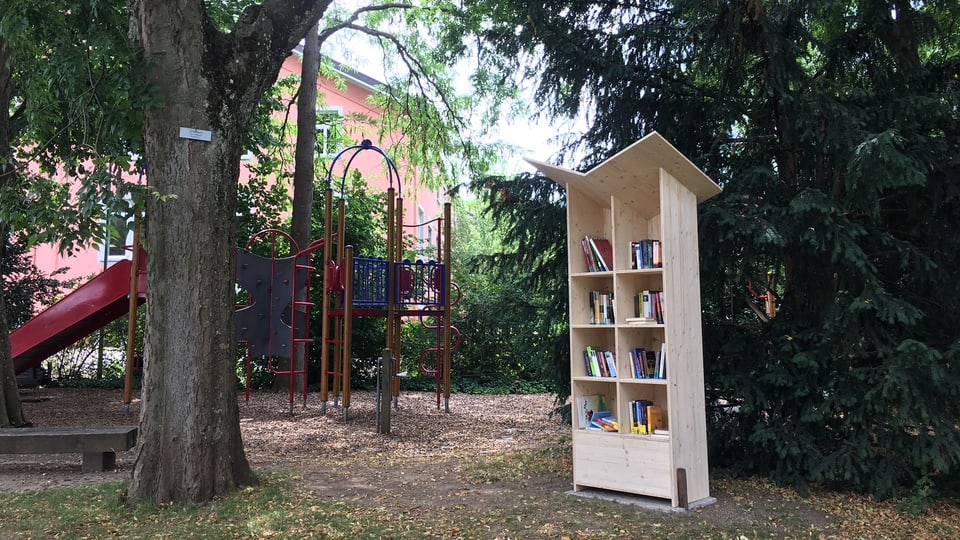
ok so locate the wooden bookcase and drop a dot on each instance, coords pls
(647, 191)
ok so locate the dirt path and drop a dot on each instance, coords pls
(419, 467)
(421, 436)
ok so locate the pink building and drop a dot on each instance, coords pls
(336, 109)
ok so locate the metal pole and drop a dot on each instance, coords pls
(132, 318)
(383, 392)
(325, 295)
(347, 348)
(100, 333)
(446, 306)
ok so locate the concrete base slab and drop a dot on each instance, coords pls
(648, 503)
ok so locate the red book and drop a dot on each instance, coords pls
(588, 256)
(605, 253)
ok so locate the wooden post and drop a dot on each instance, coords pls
(771, 306)
(386, 377)
(132, 317)
(325, 295)
(682, 501)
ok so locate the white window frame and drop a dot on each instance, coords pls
(324, 147)
(105, 247)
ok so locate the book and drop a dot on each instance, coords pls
(637, 357)
(590, 355)
(597, 420)
(611, 363)
(588, 255)
(601, 363)
(601, 307)
(644, 308)
(588, 363)
(651, 364)
(662, 372)
(654, 418)
(598, 254)
(638, 416)
(656, 297)
(605, 251)
(645, 254)
(608, 423)
(587, 406)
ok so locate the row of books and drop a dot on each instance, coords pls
(648, 307)
(603, 421)
(599, 363)
(592, 414)
(645, 254)
(598, 254)
(649, 364)
(601, 307)
(645, 364)
(646, 418)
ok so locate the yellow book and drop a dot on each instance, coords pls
(654, 418)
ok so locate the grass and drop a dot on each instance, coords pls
(280, 508)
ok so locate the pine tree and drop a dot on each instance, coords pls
(833, 128)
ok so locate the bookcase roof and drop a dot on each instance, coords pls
(635, 169)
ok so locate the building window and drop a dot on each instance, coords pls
(330, 132)
(118, 240)
(423, 242)
(425, 237)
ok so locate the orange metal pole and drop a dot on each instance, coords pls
(132, 317)
(325, 295)
(391, 259)
(347, 329)
(446, 305)
(339, 321)
(394, 320)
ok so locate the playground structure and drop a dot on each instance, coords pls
(275, 321)
(93, 305)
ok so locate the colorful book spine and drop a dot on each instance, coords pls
(646, 254)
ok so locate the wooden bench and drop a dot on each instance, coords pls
(99, 445)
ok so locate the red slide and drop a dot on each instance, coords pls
(90, 307)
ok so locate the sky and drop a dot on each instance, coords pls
(531, 137)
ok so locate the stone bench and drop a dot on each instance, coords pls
(98, 445)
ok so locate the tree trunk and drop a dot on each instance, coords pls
(303, 175)
(190, 449)
(11, 410)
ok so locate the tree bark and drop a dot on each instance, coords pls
(303, 175)
(190, 448)
(11, 410)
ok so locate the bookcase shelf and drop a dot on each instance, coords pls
(639, 208)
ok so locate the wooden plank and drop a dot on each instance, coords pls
(632, 465)
(682, 500)
(681, 276)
